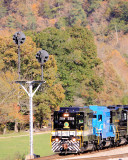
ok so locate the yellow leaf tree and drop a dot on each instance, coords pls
(49, 96)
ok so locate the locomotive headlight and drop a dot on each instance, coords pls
(66, 114)
(57, 139)
(74, 139)
(79, 133)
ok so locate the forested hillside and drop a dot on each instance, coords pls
(88, 63)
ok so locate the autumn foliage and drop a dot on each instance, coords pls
(88, 62)
(11, 93)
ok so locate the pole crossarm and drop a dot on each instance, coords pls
(30, 82)
(23, 81)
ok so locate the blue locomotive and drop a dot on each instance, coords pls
(78, 129)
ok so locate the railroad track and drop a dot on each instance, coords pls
(88, 155)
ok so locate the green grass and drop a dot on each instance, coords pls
(10, 147)
(14, 134)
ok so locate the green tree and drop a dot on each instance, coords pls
(77, 15)
(118, 15)
(3, 9)
(76, 57)
(61, 23)
(125, 100)
(51, 97)
(92, 5)
(52, 10)
(31, 19)
(46, 9)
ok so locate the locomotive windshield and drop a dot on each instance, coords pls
(68, 120)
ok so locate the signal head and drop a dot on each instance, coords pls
(42, 56)
(19, 38)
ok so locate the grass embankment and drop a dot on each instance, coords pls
(11, 134)
(11, 147)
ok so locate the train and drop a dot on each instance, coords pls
(79, 129)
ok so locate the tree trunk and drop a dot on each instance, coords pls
(41, 121)
(16, 126)
(5, 128)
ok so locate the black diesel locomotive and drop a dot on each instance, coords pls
(78, 129)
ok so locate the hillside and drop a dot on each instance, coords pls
(107, 19)
(88, 63)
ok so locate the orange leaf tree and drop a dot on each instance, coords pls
(50, 96)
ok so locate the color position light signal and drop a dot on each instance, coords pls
(42, 56)
(19, 38)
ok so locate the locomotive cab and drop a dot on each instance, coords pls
(68, 121)
(119, 114)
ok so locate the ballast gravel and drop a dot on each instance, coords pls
(115, 151)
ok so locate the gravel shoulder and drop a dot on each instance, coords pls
(113, 154)
(117, 153)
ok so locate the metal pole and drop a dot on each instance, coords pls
(42, 72)
(19, 61)
(31, 94)
(31, 120)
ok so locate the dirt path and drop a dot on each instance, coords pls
(44, 132)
